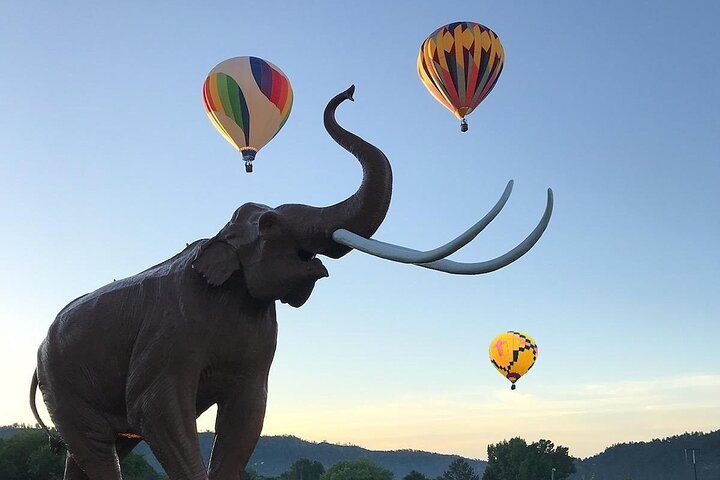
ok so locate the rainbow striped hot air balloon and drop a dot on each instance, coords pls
(248, 100)
(459, 64)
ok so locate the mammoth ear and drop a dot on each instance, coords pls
(216, 260)
(269, 225)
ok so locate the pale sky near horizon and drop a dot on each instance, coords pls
(109, 165)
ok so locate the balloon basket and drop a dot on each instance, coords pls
(463, 126)
(248, 154)
(513, 387)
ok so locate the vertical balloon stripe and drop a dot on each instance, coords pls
(215, 94)
(256, 69)
(233, 103)
(285, 113)
(450, 86)
(232, 90)
(435, 71)
(267, 87)
(275, 90)
(261, 72)
(459, 79)
(467, 73)
(461, 66)
(439, 81)
(213, 105)
(263, 76)
(488, 80)
(494, 74)
(244, 113)
(483, 76)
(442, 47)
(272, 84)
(431, 83)
(484, 58)
(221, 82)
(477, 44)
(452, 71)
(472, 85)
(282, 95)
(286, 101)
(209, 105)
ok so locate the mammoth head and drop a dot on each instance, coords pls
(259, 243)
(275, 248)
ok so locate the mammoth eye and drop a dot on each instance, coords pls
(305, 256)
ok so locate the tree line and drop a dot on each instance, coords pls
(28, 456)
(361, 469)
(514, 459)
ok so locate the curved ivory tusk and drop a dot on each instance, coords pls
(449, 266)
(400, 254)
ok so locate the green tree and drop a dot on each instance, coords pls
(516, 460)
(304, 469)
(27, 456)
(360, 469)
(7, 468)
(250, 474)
(504, 459)
(459, 469)
(415, 475)
(135, 467)
(44, 464)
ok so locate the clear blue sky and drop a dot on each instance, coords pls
(108, 165)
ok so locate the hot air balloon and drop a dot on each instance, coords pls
(248, 100)
(513, 354)
(459, 64)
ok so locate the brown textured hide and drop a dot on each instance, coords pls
(144, 356)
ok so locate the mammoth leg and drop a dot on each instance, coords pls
(96, 466)
(174, 442)
(237, 428)
(73, 471)
(90, 458)
(90, 441)
(123, 447)
(166, 418)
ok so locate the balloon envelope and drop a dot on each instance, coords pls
(459, 64)
(513, 354)
(248, 100)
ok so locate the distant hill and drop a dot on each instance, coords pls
(656, 460)
(275, 455)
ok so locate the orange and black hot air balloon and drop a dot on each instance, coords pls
(460, 63)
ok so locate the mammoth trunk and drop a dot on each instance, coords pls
(364, 211)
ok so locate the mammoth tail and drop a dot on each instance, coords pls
(56, 443)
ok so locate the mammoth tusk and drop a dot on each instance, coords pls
(400, 254)
(450, 266)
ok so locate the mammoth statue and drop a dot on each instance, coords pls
(143, 357)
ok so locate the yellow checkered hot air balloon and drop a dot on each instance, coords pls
(459, 64)
(513, 354)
